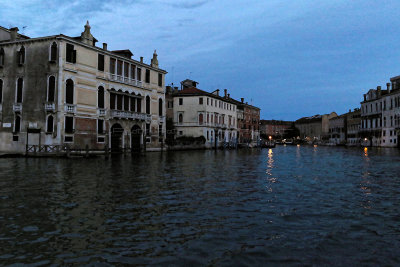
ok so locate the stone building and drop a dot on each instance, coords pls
(60, 90)
(274, 128)
(338, 130)
(353, 120)
(315, 128)
(248, 123)
(199, 113)
(371, 116)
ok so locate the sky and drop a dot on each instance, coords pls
(289, 58)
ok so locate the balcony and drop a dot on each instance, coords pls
(161, 118)
(17, 107)
(148, 117)
(69, 108)
(128, 115)
(50, 107)
(125, 80)
(101, 112)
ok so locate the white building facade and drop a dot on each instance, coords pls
(199, 113)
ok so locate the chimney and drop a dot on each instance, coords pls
(225, 92)
(13, 33)
(229, 95)
(242, 100)
(388, 87)
(378, 89)
(349, 110)
(176, 89)
(141, 59)
(217, 91)
(104, 46)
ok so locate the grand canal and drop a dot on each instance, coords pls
(285, 206)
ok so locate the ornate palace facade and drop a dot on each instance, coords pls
(62, 90)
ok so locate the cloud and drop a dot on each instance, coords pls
(189, 4)
(276, 52)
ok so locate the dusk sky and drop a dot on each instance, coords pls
(290, 58)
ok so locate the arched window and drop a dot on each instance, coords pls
(52, 89)
(1, 91)
(139, 105)
(17, 124)
(119, 102)
(147, 104)
(160, 107)
(112, 100)
(180, 118)
(2, 57)
(20, 85)
(21, 56)
(53, 52)
(50, 124)
(69, 92)
(100, 97)
(201, 118)
(133, 104)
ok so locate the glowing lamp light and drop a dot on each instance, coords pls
(270, 137)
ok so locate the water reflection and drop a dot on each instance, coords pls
(306, 205)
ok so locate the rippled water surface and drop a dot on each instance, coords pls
(285, 206)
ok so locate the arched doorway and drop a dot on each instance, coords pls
(136, 137)
(116, 138)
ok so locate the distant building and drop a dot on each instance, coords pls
(371, 116)
(248, 122)
(65, 91)
(274, 128)
(197, 113)
(338, 130)
(353, 119)
(315, 128)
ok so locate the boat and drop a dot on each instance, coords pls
(268, 144)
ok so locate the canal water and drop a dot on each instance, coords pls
(284, 206)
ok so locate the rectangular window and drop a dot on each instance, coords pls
(208, 101)
(15, 138)
(180, 101)
(100, 63)
(147, 76)
(133, 72)
(69, 124)
(70, 54)
(100, 139)
(68, 139)
(147, 129)
(139, 74)
(119, 67)
(200, 101)
(160, 79)
(100, 126)
(126, 70)
(112, 65)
